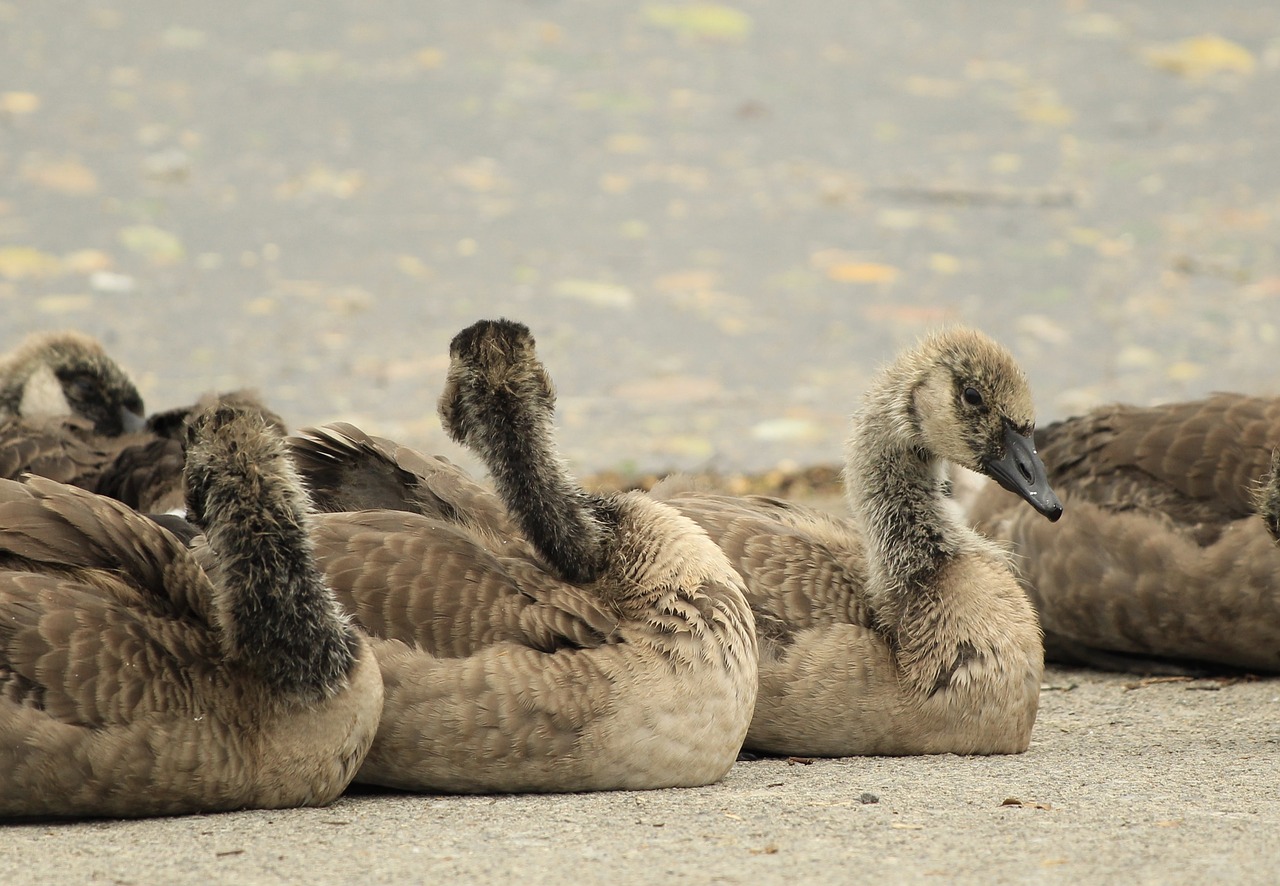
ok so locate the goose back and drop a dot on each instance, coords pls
(123, 688)
(1163, 557)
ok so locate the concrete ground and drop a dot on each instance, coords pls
(718, 218)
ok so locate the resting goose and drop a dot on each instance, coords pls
(608, 646)
(898, 630)
(1163, 556)
(68, 374)
(133, 682)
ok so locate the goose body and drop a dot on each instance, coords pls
(1165, 552)
(606, 644)
(897, 630)
(135, 682)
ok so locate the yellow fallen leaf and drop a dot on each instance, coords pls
(1200, 57)
(66, 176)
(1043, 106)
(627, 143)
(479, 175)
(86, 261)
(429, 58)
(932, 87)
(686, 281)
(412, 266)
(156, 245)
(1184, 370)
(862, 272)
(19, 103)
(23, 262)
(63, 304)
(261, 307)
(942, 263)
(607, 295)
(706, 20)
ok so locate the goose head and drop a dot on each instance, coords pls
(494, 380)
(67, 373)
(972, 406)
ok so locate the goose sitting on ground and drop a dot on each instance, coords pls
(133, 682)
(935, 649)
(1164, 559)
(608, 646)
(898, 630)
(68, 374)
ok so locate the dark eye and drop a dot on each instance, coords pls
(972, 397)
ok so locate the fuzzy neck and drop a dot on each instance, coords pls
(280, 616)
(894, 490)
(566, 525)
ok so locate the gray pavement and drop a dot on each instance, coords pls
(717, 219)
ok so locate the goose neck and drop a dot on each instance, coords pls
(564, 523)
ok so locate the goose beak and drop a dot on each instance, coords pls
(1022, 472)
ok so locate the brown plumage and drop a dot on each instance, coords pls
(1165, 552)
(606, 645)
(68, 374)
(134, 682)
(897, 630)
(142, 469)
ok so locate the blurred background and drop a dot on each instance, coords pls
(717, 218)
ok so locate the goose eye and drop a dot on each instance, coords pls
(972, 397)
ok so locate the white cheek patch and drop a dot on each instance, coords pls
(43, 395)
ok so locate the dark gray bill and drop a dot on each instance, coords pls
(1022, 472)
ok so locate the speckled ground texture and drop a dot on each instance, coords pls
(718, 219)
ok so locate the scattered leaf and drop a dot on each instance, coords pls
(66, 176)
(786, 429)
(862, 272)
(904, 826)
(155, 244)
(19, 103)
(480, 175)
(605, 295)
(1200, 57)
(669, 389)
(24, 262)
(709, 21)
(942, 263)
(1184, 370)
(412, 266)
(770, 849)
(86, 261)
(429, 58)
(1043, 106)
(1024, 804)
(687, 281)
(800, 761)
(64, 304)
(627, 143)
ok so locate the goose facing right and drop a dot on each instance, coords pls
(608, 646)
(135, 682)
(900, 630)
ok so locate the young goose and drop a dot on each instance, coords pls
(1162, 559)
(68, 374)
(133, 682)
(900, 630)
(613, 649)
(143, 469)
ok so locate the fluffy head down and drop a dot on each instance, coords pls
(68, 373)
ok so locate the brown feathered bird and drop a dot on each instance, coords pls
(135, 682)
(1164, 562)
(549, 640)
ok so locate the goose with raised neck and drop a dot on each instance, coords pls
(898, 630)
(611, 649)
(135, 682)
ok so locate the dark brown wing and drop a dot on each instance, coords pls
(348, 470)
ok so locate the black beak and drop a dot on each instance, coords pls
(1022, 472)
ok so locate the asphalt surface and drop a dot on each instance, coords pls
(718, 220)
